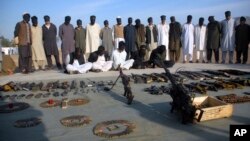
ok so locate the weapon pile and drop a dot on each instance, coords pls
(182, 99)
(51, 88)
(233, 98)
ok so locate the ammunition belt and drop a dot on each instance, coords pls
(78, 101)
(30, 122)
(13, 107)
(75, 121)
(233, 98)
(113, 128)
(48, 104)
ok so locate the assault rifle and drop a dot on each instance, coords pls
(182, 99)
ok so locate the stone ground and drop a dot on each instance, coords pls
(150, 113)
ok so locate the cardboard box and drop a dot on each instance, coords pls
(209, 108)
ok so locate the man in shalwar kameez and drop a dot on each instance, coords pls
(130, 38)
(66, 33)
(80, 41)
(49, 42)
(242, 40)
(23, 33)
(107, 38)
(140, 34)
(174, 39)
(100, 60)
(118, 34)
(188, 40)
(200, 40)
(92, 36)
(227, 37)
(213, 39)
(76, 67)
(151, 37)
(163, 34)
(38, 54)
(119, 58)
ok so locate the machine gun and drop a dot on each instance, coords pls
(182, 99)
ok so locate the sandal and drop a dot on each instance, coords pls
(13, 96)
(29, 96)
(64, 94)
(46, 95)
(38, 95)
(21, 96)
(56, 94)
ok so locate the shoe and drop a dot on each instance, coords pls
(223, 62)
(59, 67)
(244, 62)
(190, 61)
(184, 62)
(96, 70)
(230, 62)
(65, 71)
(203, 61)
(75, 72)
(197, 61)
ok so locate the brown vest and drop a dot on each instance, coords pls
(22, 34)
(118, 31)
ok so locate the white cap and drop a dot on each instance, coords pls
(118, 17)
(25, 13)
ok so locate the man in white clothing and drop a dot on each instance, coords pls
(227, 37)
(188, 40)
(200, 40)
(38, 54)
(76, 68)
(163, 34)
(119, 58)
(100, 60)
(92, 36)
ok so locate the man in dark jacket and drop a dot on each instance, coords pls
(157, 54)
(140, 62)
(130, 38)
(174, 39)
(242, 39)
(49, 42)
(213, 39)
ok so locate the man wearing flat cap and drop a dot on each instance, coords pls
(23, 32)
(227, 37)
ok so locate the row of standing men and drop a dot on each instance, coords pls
(85, 41)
